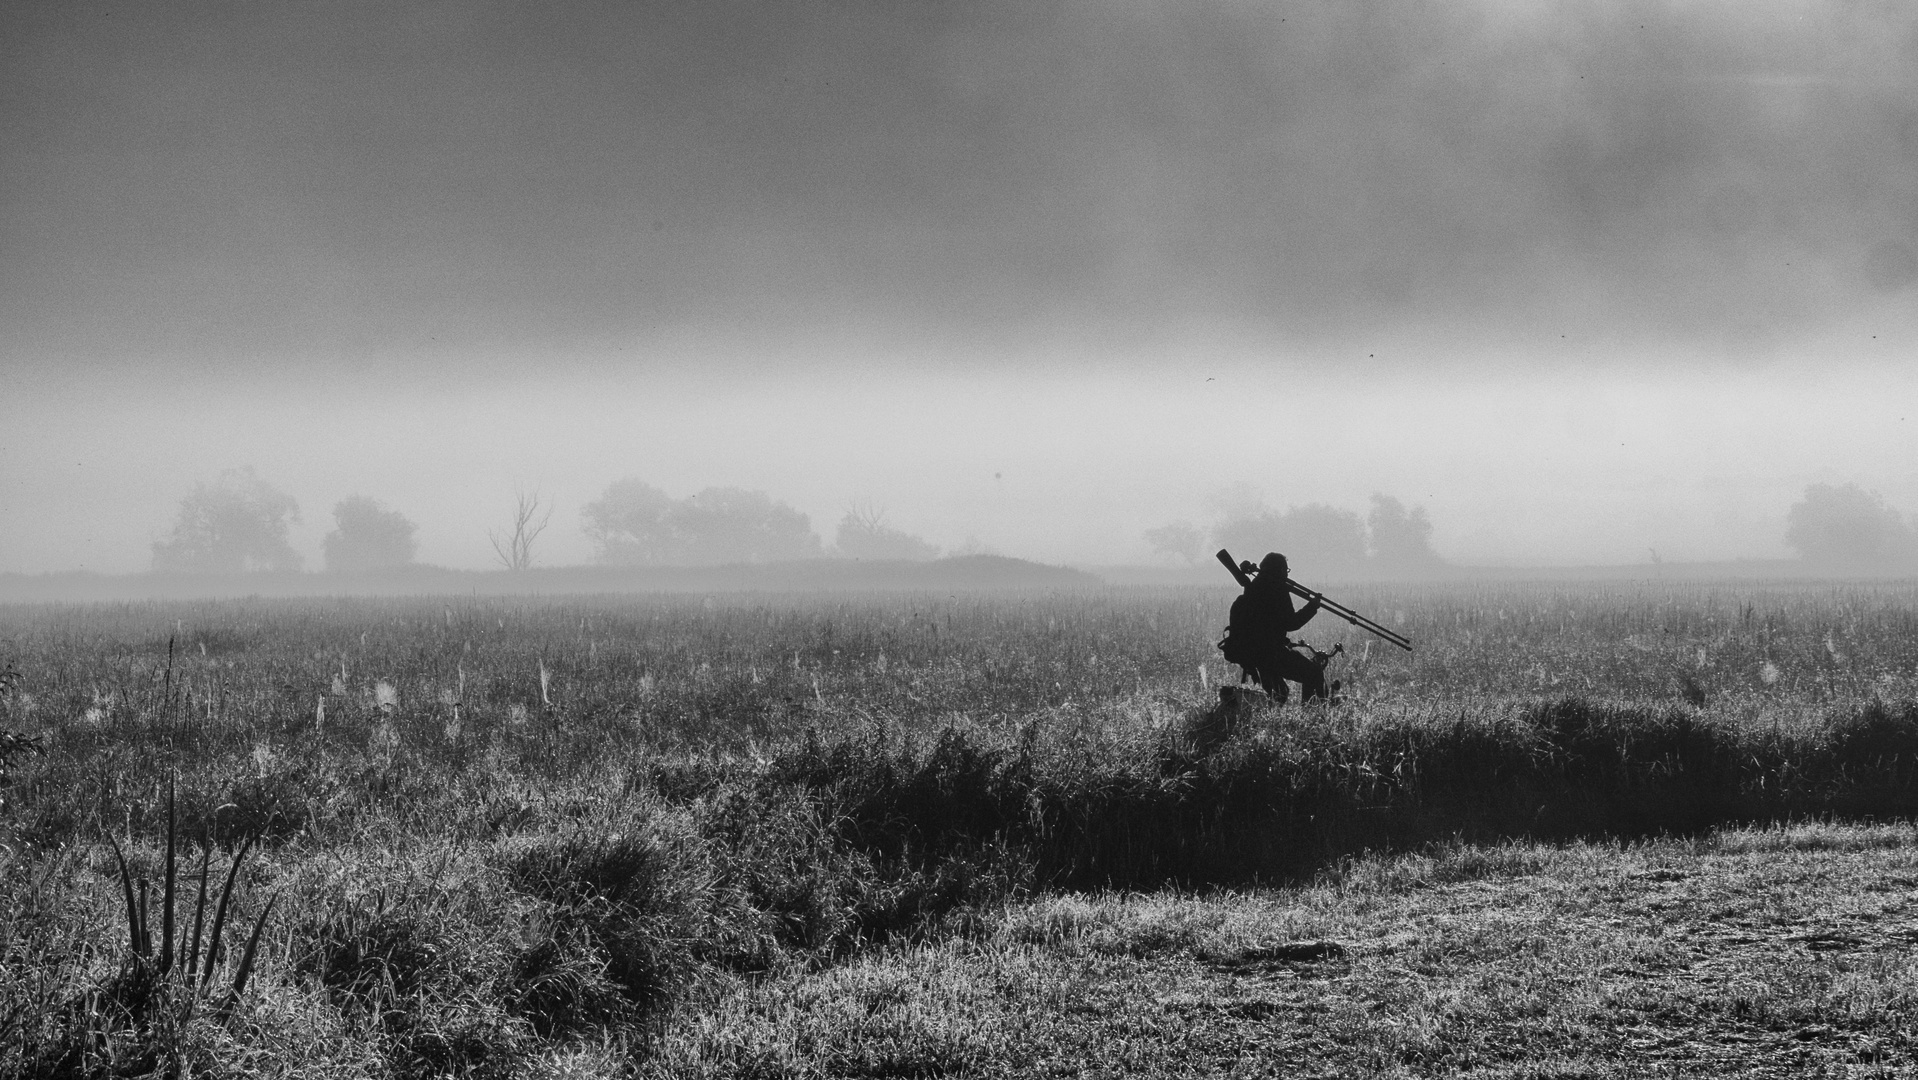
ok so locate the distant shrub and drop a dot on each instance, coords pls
(1400, 538)
(238, 523)
(1846, 527)
(636, 524)
(1179, 540)
(368, 536)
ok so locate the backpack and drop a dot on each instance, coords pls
(1237, 650)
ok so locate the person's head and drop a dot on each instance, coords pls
(1273, 564)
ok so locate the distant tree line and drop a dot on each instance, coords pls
(1838, 528)
(634, 523)
(1316, 536)
(239, 523)
(637, 524)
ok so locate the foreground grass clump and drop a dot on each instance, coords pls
(509, 838)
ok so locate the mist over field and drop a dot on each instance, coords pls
(1578, 470)
(1584, 283)
(677, 538)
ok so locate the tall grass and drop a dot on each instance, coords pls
(496, 826)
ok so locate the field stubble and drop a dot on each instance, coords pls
(506, 836)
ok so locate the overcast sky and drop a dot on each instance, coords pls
(1583, 279)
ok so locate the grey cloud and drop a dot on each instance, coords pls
(353, 179)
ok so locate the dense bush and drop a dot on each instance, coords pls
(1290, 798)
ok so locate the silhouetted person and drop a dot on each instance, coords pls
(1256, 634)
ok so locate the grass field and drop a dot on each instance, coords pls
(900, 834)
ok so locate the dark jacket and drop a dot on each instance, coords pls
(1263, 615)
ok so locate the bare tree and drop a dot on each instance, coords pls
(515, 548)
(865, 517)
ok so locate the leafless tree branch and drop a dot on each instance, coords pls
(515, 548)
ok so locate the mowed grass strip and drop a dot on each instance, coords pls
(1763, 953)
